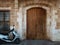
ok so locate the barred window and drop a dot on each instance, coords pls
(4, 18)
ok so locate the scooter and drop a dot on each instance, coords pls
(12, 37)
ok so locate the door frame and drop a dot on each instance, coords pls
(25, 15)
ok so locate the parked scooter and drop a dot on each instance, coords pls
(11, 37)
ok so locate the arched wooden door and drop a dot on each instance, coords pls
(36, 23)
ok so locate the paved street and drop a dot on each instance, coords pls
(36, 42)
(39, 42)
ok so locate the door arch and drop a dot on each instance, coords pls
(36, 23)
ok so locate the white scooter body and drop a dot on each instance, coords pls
(6, 37)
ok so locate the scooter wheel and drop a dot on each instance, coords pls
(17, 41)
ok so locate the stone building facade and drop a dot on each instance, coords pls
(18, 11)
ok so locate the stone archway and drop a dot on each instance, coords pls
(24, 17)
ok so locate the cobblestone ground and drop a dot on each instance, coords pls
(36, 42)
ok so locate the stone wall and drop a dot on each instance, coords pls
(18, 14)
(53, 13)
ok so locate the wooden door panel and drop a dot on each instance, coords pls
(31, 22)
(36, 23)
